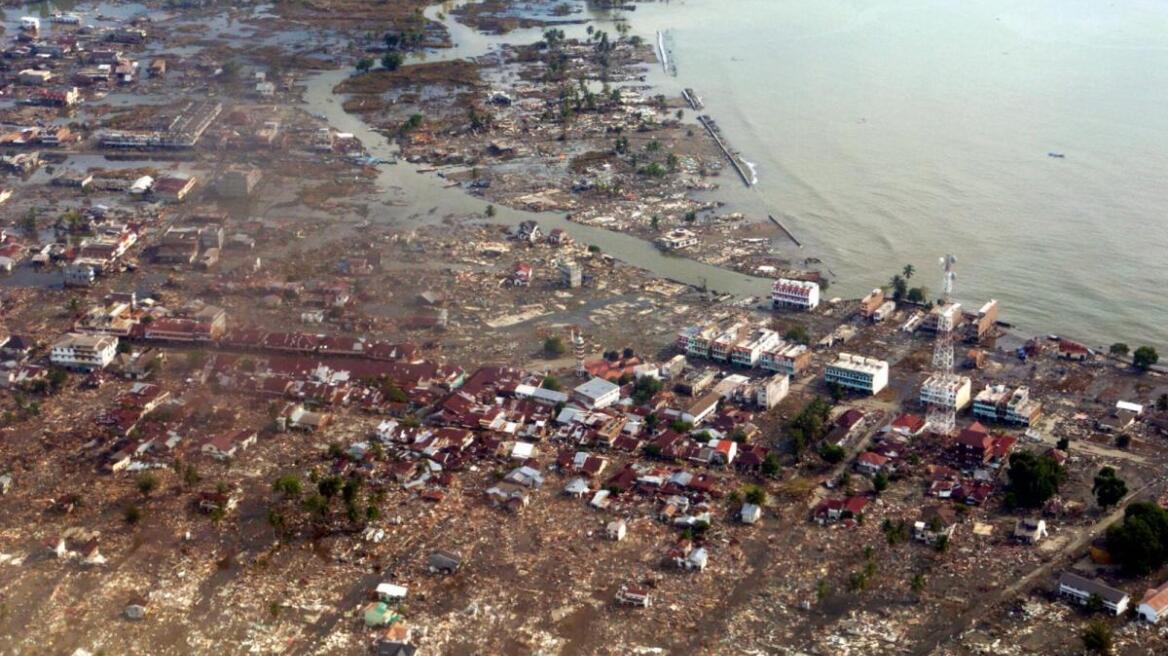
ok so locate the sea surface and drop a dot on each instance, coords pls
(891, 132)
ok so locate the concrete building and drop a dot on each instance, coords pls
(676, 239)
(871, 303)
(1082, 590)
(799, 294)
(596, 393)
(772, 390)
(747, 352)
(78, 351)
(785, 358)
(571, 275)
(725, 341)
(942, 318)
(80, 275)
(858, 373)
(987, 316)
(237, 182)
(998, 403)
(946, 391)
(1154, 604)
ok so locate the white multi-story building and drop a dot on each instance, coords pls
(694, 341)
(946, 391)
(596, 393)
(802, 294)
(772, 390)
(724, 343)
(747, 352)
(857, 372)
(999, 403)
(785, 358)
(78, 351)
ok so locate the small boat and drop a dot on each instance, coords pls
(1056, 155)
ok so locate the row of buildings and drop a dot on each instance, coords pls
(744, 345)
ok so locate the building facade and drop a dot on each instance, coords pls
(798, 294)
(859, 373)
(946, 391)
(78, 351)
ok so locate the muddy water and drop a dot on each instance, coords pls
(422, 198)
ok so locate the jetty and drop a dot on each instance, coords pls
(790, 235)
(693, 99)
(712, 128)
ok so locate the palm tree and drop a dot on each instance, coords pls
(899, 287)
(908, 271)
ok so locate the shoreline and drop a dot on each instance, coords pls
(515, 39)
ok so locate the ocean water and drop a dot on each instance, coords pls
(888, 132)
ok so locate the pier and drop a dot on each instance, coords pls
(710, 127)
(790, 235)
(692, 98)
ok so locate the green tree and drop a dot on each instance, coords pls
(756, 494)
(1145, 357)
(797, 334)
(147, 483)
(551, 383)
(554, 346)
(316, 504)
(1033, 479)
(899, 287)
(191, 475)
(364, 65)
(832, 453)
(132, 514)
(328, 487)
(908, 271)
(1109, 489)
(917, 295)
(491, 211)
(391, 61)
(289, 485)
(770, 465)
(1097, 638)
(918, 583)
(1120, 349)
(880, 482)
(1140, 542)
(645, 389)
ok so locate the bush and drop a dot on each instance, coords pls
(147, 483)
(1145, 357)
(832, 453)
(554, 346)
(1097, 638)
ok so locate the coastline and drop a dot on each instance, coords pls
(634, 247)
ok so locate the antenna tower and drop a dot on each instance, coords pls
(943, 419)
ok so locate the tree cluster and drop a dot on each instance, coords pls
(1140, 542)
(1033, 479)
(809, 425)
